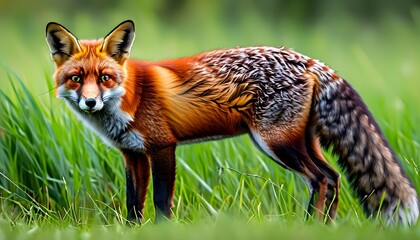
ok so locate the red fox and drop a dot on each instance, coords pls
(288, 103)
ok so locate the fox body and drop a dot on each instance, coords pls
(288, 103)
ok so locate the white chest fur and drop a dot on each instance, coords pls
(113, 126)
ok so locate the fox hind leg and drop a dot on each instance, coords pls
(333, 177)
(293, 155)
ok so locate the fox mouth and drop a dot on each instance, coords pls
(90, 111)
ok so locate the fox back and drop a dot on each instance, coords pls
(288, 103)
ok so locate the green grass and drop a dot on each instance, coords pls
(224, 228)
(57, 179)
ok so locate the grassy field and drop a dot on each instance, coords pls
(57, 179)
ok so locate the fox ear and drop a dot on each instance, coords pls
(117, 44)
(62, 43)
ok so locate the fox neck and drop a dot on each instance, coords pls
(109, 123)
(133, 86)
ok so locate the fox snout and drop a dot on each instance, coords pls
(91, 104)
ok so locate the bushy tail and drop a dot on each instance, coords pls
(343, 121)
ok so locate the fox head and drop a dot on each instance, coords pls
(89, 73)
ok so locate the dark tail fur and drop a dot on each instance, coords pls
(344, 123)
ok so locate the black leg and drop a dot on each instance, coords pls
(137, 179)
(163, 170)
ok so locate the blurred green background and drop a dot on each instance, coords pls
(329, 30)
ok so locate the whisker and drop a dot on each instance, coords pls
(48, 91)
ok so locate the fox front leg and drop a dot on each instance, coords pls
(137, 168)
(163, 171)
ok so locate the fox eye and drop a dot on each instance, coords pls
(75, 78)
(104, 78)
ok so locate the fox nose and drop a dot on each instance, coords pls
(90, 102)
